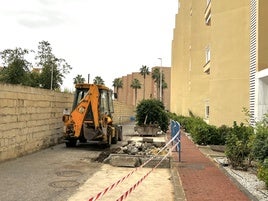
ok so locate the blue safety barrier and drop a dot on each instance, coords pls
(175, 131)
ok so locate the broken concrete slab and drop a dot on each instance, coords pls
(153, 162)
(124, 160)
(138, 151)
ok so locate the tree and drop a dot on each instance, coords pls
(144, 70)
(53, 68)
(79, 79)
(117, 83)
(157, 77)
(16, 67)
(33, 79)
(98, 80)
(135, 85)
(164, 86)
(151, 111)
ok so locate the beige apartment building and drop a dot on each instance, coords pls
(220, 60)
(126, 94)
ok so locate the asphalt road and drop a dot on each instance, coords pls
(50, 174)
(59, 174)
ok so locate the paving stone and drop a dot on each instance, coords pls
(152, 163)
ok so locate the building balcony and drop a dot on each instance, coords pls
(208, 13)
(206, 67)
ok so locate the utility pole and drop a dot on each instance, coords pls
(51, 81)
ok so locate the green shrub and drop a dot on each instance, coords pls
(260, 141)
(223, 132)
(201, 132)
(238, 147)
(152, 111)
(260, 148)
(184, 121)
(189, 123)
(192, 122)
(204, 134)
(263, 172)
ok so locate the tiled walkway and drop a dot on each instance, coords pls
(201, 179)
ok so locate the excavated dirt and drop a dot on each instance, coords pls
(134, 148)
(105, 154)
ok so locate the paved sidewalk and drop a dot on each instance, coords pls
(201, 179)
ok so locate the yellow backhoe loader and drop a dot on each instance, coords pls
(91, 117)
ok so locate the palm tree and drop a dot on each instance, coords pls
(135, 85)
(117, 83)
(98, 80)
(164, 86)
(144, 70)
(156, 78)
(79, 79)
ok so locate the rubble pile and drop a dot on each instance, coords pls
(136, 153)
(143, 149)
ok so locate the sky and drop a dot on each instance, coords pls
(106, 38)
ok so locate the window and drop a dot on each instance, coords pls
(207, 111)
(111, 106)
(104, 102)
(78, 96)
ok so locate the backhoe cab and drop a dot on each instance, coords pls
(91, 117)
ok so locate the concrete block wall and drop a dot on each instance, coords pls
(122, 113)
(30, 119)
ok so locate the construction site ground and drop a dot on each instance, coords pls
(59, 174)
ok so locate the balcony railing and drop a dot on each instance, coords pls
(206, 68)
(208, 13)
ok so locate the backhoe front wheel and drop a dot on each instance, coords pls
(71, 142)
(115, 138)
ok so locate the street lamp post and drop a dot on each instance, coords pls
(160, 85)
(51, 80)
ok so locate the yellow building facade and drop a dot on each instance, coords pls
(220, 60)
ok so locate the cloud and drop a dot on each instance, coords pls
(36, 13)
(107, 38)
(42, 18)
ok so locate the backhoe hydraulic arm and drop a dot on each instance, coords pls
(74, 121)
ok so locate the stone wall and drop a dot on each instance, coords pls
(31, 118)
